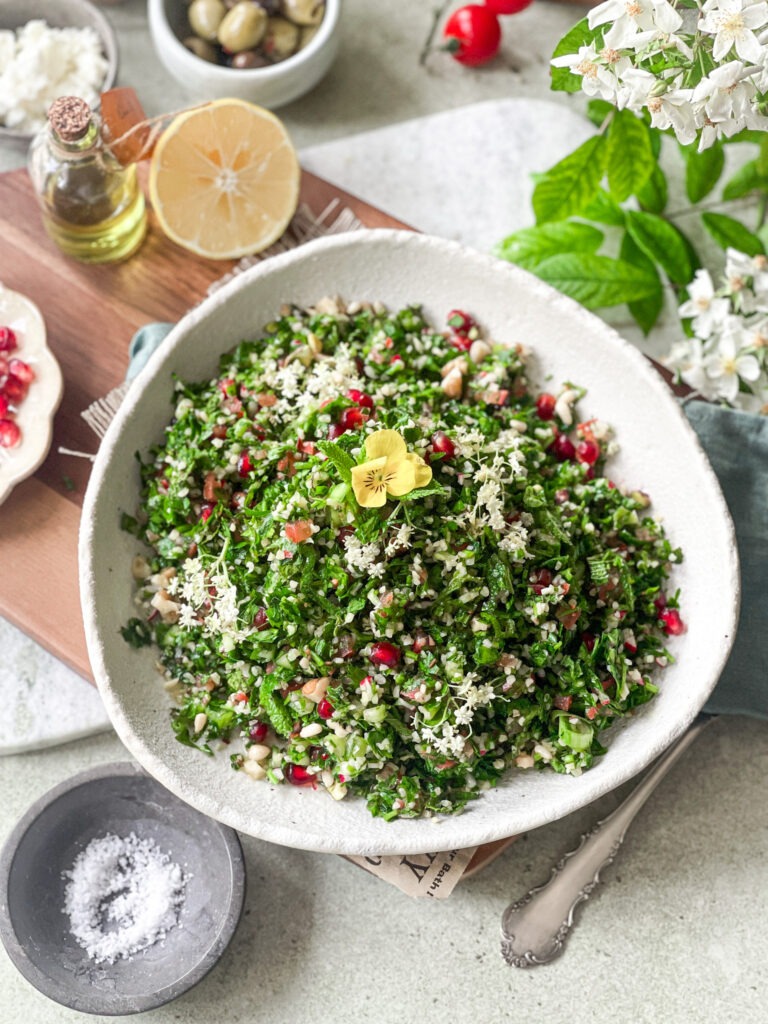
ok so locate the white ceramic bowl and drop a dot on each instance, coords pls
(271, 87)
(35, 415)
(59, 14)
(659, 454)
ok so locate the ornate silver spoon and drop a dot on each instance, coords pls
(534, 928)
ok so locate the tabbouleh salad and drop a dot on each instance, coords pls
(381, 564)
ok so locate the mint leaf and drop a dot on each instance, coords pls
(530, 246)
(597, 281)
(341, 459)
(564, 80)
(644, 311)
(747, 179)
(567, 187)
(702, 170)
(663, 243)
(654, 193)
(728, 232)
(629, 158)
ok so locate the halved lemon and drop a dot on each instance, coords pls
(224, 179)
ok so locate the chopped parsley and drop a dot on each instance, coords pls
(499, 617)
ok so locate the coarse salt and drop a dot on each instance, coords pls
(123, 895)
(39, 63)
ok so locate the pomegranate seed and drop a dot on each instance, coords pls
(227, 386)
(562, 496)
(360, 398)
(461, 343)
(589, 474)
(461, 322)
(563, 702)
(298, 776)
(239, 697)
(366, 681)
(244, 465)
(206, 511)
(325, 709)
(395, 359)
(3, 366)
(545, 406)
(671, 622)
(260, 620)
(353, 418)
(540, 579)
(3, 406)
(385, 653)
(14, 388)
(21, 370)
(589, 641)
(562, 448)
(660, 601)
(443, 444)
(588, 451)
(8, 341)
(258, 732)
(298, 531)
(335, 430)
(10, 435)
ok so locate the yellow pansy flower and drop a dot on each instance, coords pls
(390, 469)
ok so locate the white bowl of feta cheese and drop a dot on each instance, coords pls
(50, 48)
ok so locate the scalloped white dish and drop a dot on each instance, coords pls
(36, 412)
(660, 454)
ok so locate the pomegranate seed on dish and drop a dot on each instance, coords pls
(671, 622)
(563, 449)
(21, 370)
(588, 451)
(325, 708)
(10, 434)
(8, 340)
(545, 406)
(443, 444)
(360, 398)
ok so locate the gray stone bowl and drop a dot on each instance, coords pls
(58, 14)
(118, 798)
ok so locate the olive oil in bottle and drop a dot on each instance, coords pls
(92, 206)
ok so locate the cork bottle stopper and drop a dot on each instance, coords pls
(69, 117)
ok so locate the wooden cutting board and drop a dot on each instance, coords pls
(91, 314)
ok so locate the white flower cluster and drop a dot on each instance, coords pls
(727, 358)
(652, 55)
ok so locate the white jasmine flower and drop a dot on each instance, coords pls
(729, 365)
(673, 109)
(732, 22)
(598, 78)
(703, 305)
(645, 15)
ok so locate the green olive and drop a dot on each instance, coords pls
(243, 27)
(308, 33)
(281, 39)
(205, 16)
(304, 12)
(202, 49)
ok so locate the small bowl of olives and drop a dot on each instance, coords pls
(267, 51)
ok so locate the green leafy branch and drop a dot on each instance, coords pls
(603, 234)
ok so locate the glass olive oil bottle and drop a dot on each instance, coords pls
(93, 207)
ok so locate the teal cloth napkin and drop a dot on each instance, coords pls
(737, 446)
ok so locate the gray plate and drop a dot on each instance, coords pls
(118, 798)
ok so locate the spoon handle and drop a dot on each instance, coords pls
(534, 928)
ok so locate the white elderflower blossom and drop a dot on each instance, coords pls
(732, 23)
